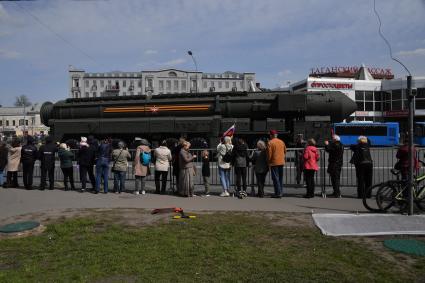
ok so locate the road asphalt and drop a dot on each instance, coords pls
(18, 201)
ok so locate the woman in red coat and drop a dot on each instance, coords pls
(311, 156)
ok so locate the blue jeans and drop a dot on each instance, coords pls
(102, 172)
(1, 178)
(277, 177)
(224, 178)
(119, 181)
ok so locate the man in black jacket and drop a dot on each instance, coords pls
(47, 157)
(28, 158)
(336, 155)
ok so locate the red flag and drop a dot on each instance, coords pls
(230, 131)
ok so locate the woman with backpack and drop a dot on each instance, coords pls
(141, 166)
(362, 160)
(224, 156)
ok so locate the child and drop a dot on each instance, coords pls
(206, 171)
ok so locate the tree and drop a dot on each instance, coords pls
(22, 101)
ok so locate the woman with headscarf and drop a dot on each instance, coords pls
(120, 158)
(66, 156)
(261, 167)
(186, 186)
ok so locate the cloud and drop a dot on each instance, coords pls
(416, 52)
(150, 52)
(6, 54)
(174, 62)
(284, 73)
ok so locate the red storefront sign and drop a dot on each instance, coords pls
(331, 85)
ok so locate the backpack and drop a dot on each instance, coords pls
(227, 158)
(145, 158)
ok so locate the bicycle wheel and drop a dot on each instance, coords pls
(420, 199)
(390, 198)
(370, 202)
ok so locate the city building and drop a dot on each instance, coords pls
(82, 84)
(379, 97)
(15, 121)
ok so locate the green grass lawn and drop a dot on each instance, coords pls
(212, 248)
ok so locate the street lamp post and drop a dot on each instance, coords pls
(196, 68)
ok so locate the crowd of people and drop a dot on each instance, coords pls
(95, 158)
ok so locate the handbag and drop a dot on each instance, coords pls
(115, 161)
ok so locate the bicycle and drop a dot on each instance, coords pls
(370, 195)
(393, 195)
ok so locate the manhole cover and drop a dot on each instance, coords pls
(19, 227)
(413, 247)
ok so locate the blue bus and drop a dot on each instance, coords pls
(379, 134)
(420, 133)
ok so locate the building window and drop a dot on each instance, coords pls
(139, 83)
(168, 85)
(139, 93)
(360, 106)
(212, 84)
(150, 82)
(26, 122)
(132, 93)
(220, 84)
(76, 83)
(241, 83)
(1, 122)
(124, 93)
(86, 82)
(204, 84)
(396, 94)
(94, 82)
(359, 95)
(176, 85)
(368, 95)
(87, 94)
(234, 84)
(14, 123)
(94, 94)
(368, 106)
(109, 83)
(172, 74)
(102, 83)
(183, 85)
(124, 83)
(161, 85)
(227, 85)
(7, 123)
(378, 106)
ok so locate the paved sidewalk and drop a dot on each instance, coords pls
(14, 202)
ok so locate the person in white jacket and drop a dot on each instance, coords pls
(162, 157)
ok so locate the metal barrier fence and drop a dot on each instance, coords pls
(383, 161)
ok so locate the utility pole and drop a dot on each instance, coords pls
(411, 100)
(196, 68)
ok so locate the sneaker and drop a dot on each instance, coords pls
(207, 195)
(143, 192)
(136, 192)
(225, 194)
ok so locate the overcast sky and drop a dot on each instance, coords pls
(278, 40)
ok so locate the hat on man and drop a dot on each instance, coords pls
(273, 132)
(336, 138)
